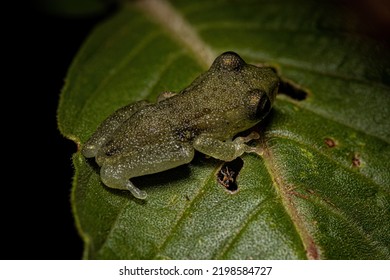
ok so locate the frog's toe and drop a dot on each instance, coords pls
(136, 191)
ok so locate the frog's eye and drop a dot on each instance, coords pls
(263, 107)
(229, 61)
(259, 104)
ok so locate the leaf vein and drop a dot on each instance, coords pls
(167, 16)
(185, 213)
(240, 230)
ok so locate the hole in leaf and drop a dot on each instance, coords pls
(228, 173)
(292, 90)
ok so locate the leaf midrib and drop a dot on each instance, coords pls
(312, 251)
(164, 14)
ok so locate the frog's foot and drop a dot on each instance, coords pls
(252, 136)
(136, 191)
(254, 149)
(240, 142)
(111, 178)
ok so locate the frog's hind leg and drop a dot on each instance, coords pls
(108, 126)
(112, 178)
(118, 173)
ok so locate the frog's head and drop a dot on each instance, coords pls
(254, 87)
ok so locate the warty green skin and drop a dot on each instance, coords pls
(144, 138)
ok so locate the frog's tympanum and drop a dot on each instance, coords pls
(144, 138)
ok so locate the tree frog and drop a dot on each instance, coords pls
(144, 138)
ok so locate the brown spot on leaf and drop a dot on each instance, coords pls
(356, 162)
(330, 142)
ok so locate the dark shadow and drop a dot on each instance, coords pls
(292, 90)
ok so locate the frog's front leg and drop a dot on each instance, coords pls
(108, 126)
(225, 150)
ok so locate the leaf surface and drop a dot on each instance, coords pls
(322, 187)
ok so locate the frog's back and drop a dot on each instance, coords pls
(150, 129)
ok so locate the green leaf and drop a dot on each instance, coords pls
(321, 190)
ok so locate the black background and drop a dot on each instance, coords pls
(36, 217)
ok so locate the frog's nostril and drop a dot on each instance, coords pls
(263, 107)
